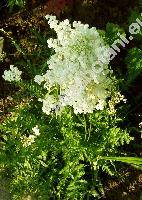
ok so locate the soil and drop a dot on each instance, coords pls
(129, 188)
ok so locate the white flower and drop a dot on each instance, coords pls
(13, 74)
(31, 138)
(27, 141)
(36, 130)
(100, 105)
(49, 104)
(79, 67)
(39, 79)
(140, 125)
(27, 198)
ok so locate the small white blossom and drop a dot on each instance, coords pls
(39, 79)
(36, 130)
(2, 56)
(27, 198)
(49, 104)
(13, 74)
(27, 141)
(140, 125)
(100, 105)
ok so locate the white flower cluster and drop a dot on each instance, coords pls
(115, 99)
(79, 67)
(27, 141)
(13, 74)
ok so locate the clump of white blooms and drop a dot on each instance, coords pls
(27, 141)
(79, 68)
(13, 74)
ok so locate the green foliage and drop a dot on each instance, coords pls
(136, 162)
(111, 32)
(140, 3)
(69, 147)
(134, 64)
(12, 3)
(135, 14)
